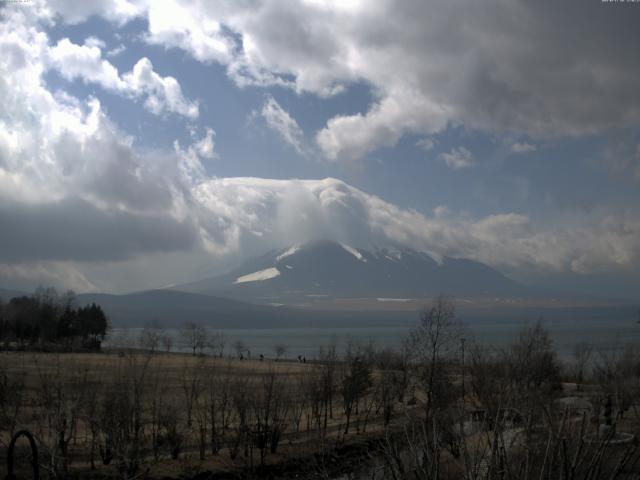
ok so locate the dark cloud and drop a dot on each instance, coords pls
(74, 229)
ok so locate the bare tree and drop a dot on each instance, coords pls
(279, 349)
(391, 384)
(355, 382)
(270, 408)
(151, 336)
(167, 342)
(435, 341)
(300, 401)
(315, 394)
(12, 391)
(216, 342)
(219, 397)
(157, 408)
(122, 415)
(618, 373)
(533, 359)
(582, 354)
(201, 413)
(328, 381)
(192, 386)
(60, 400)
(173, 437)
(242, 402)
(194, 336)
(239, 347)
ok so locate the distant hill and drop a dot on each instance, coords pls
(172, 309)
(328, 284)
(6, 294)
(330, 269)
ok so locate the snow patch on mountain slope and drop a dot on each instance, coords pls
(288, 253)
(259, 276)
(353, 252)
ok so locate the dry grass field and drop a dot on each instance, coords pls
(120, 412)
(507, 413)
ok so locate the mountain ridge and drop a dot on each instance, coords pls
(338, 270)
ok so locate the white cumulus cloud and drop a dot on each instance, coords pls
(280, 121)
(457, 158)
(251, 215)
(518, 67)
(162, 93)
(85, 62)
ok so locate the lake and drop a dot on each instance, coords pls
(604, 334)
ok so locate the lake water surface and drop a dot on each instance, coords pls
(603, 334)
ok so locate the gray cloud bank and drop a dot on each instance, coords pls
(73, 229)
(75, 190)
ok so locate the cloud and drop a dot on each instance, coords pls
(457, 158)
(251, 215)
(162, 93)
(192, 27)
(85, 62)
(75, 229)
(78, 195)
(351, 137)
(522, 147)
(59, 275)
(95, 42)
(191, 157)
(114, 52)
(205, 146)
(73, 186)
(533, 68)
(283, 124)
(425, 144)
(622, 158)
(118, 11)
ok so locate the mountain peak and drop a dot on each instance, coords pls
(330, 269)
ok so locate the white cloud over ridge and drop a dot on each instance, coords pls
(255, 214)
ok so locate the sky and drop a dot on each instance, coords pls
(147, 143)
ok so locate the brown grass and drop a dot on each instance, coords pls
(167, 370)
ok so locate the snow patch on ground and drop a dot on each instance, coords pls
(265, 274)
(353, 252)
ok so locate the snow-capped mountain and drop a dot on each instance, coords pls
(336, 270)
